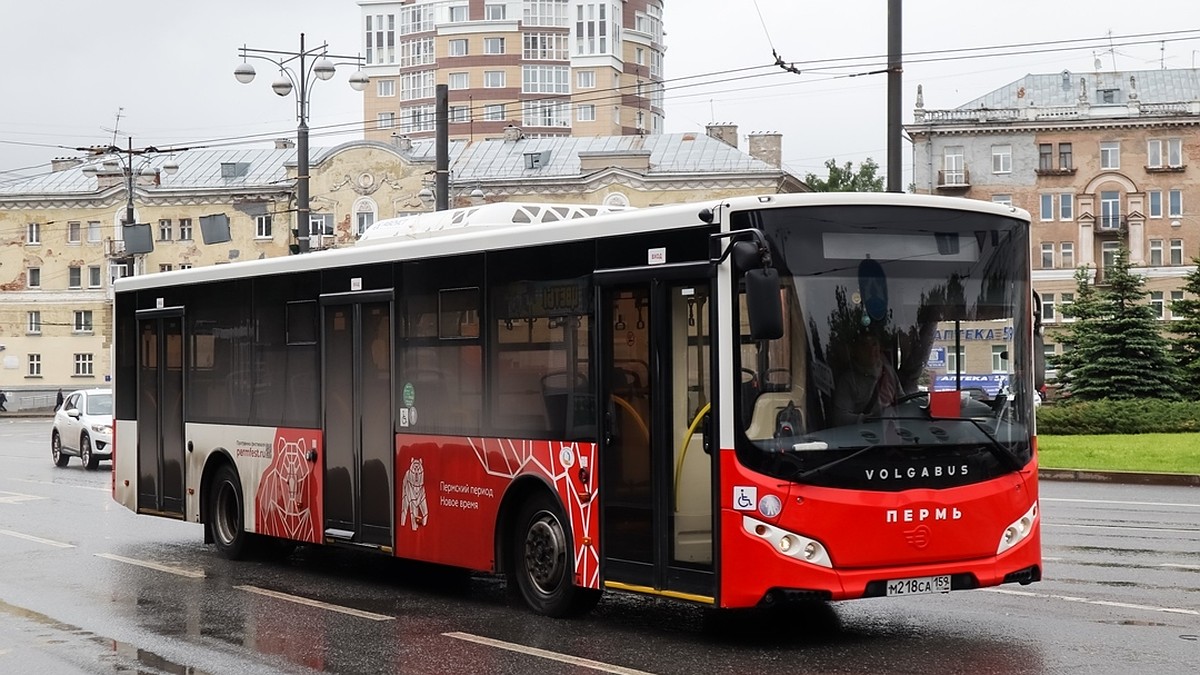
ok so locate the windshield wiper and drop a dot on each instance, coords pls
(832, 463)
(997, 448)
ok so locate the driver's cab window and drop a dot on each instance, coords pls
(774, 375)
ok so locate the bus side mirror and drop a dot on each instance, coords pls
(1039, 344)
(763, 305)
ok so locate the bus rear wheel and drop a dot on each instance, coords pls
(225, 521)
(542, 564)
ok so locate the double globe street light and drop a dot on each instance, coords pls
(312, 65)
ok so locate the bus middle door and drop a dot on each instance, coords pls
(656, 476)
(357, 414)
(160, 430)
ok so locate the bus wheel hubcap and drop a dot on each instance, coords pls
(545, 553)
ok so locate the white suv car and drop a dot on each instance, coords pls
(83, 428)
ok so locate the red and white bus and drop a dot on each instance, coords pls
(652, 401)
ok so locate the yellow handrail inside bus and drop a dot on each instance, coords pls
(634, 413)
(683, 449)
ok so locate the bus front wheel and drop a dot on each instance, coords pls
(225, 521)
(542, 564)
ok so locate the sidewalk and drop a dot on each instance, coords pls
(1120, 477)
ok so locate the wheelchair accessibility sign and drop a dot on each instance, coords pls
(745, 497)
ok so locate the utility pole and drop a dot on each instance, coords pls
(895, 70)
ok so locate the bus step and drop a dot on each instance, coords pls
(343, 535)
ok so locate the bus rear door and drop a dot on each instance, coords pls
(656, 490)
(160, 446)
(357, 396)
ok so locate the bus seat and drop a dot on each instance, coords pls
(766, 407)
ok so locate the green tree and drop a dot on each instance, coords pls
(1187, 348)
(846, 178)
(1115, 349)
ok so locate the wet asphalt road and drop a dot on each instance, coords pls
(88, 587)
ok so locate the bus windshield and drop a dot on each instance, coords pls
(905, 360)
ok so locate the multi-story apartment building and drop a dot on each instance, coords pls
(1101, 161)
(62, 242)
(551, 67)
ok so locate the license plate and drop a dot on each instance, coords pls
(918, 585)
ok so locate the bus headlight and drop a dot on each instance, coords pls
(790, 544)
(1018, 530)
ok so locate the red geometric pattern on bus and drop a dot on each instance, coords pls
(564, 464)
(288, 500)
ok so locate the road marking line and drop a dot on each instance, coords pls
(553, 656)
(316, 603)
(1111, 502)
(191, 574)
(1124, 528)
(7, 497)
(30, 537)
(1088, 601)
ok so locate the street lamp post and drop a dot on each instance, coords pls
(312, 64)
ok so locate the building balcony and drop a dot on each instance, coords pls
(1111, 225)
(1069, 171)
(954, 180)
(114, 248)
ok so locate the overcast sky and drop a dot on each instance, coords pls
(167, 67)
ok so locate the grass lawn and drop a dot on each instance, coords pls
(1158, 453)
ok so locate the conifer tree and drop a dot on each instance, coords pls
(1114, 347)
(1186, 349)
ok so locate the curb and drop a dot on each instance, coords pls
(1120, 477)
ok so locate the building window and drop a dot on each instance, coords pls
(417, 85)
(34, 326)
(83, 365)
(1110, 210)
(73, 232)
(545, 13)
(1048, 308)
(1067, 252)
(494, 12)
(1156, 304)
(493, 45)
(83, 321)
(586, 112)
(546, 113)
(999, 358)
(1175, 152)
(494, 112)
(458, 47)
(1047, 255)
(1175, 203)
(1047, 212)
(1156, 203)
(33, 366)
(185, 266)
(34, 276)
(93, 230)
(1110, 155)
(363, 220)
(585, 79)
(1066, 206)
(1001, 159)
(458, 81)
(1045, 157)
(416, 19)
(1176, 251)
(1154, 154)
(1176, 296)
(1064, 156)
(593, 29)
(74, 276)
(460, 113)
(1006, 200)
(545, 47)
(93, 276)
(164, 229)
(33, 233)
(1108, 254)
(954, 166)
(459, 13)
(185, 229)
(493, 79)
(1156, 252)
(385, 88)
(955, 357)
(262, 226)
(385, 120)
(1067, 299)
(381, 38)
(165, 267)
(545, 80)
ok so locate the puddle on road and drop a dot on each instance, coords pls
(123, 657)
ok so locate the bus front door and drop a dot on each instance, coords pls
(160, 442)
(656, 471)
(357, 400)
